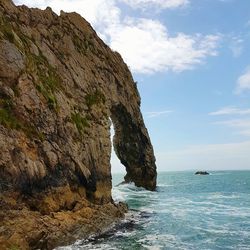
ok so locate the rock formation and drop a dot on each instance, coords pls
(60, 88)
(201, 173)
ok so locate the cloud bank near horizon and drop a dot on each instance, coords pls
(228, 156)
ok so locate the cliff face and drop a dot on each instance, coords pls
(60, 87)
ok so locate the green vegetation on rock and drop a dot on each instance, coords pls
(94, 98)
(6, 30)
(13, 247)
(79, 45)
(14, 35)
(49, 80)
(80, 122)
(10, 120)
(7, 118)
(83, 45)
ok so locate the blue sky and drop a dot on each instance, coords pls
(191, 59)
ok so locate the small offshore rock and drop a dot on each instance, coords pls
(201, 173)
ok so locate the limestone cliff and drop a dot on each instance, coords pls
(60, 87)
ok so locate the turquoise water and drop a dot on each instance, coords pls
(186, 212)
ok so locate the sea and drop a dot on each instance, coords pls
(186, 211)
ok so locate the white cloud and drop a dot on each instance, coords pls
(147, 48)
(243, 125)
(236, 46)
(243, 83)
(144, 44)
(240, 123)
(158, 113)
(142, 4)
(206, 157)
(103, 15)
(38, 3)
(100, 13)
(231, 111)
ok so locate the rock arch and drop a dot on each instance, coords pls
(55, 103)
(133, 147)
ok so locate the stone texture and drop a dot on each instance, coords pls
(60, 86)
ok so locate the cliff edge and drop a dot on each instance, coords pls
(60, 88)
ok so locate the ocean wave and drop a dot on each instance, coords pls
(186, 213)
(220, 195)
(129, 191)
(165, 185)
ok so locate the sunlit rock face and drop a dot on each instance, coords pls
(59, 87)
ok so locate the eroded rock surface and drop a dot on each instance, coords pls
(60, 87)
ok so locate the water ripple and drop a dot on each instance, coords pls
(186, 212)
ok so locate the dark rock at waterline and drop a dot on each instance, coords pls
(201, 173)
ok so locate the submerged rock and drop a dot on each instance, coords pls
(202, 173)
(60, 88)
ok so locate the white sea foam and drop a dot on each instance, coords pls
(165, 185)
(207, 213)
(219, 195)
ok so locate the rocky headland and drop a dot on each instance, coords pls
(60, 88)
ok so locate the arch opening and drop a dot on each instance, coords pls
(133, 148)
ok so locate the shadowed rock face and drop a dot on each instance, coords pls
(59, 87)
(131, 144)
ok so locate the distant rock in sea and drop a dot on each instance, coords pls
(201, 173)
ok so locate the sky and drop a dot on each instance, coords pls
(191, 62)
